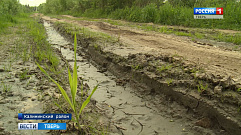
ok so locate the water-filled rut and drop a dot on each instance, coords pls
(129, 113)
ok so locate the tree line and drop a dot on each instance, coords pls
(58, 6)
(170, 12)
(9, 9)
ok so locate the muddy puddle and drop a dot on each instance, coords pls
(128, 112)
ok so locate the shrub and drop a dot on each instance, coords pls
(149, 13)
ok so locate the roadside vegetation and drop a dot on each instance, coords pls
(30, 45)
(171, 12)
(73, 83)
(10, 11)
(39, 50)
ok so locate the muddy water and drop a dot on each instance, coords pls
(128, 113)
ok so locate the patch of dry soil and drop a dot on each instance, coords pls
(216, 61)
(222, 67)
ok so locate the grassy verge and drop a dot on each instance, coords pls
(5, 22)
(32, 45)
(86, 32)
(70, 100)
(169, 14)
(153, 11)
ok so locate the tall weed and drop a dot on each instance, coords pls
(73, 82)
(149, 13)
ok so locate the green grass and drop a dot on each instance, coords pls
(73, 82)
(42, 50)
(136, 67)
(86, 32)
(30, 30)
(164, 68)
(165, 14)
(201, 88)
(5, 87)
(8, 67)
(24, 75)
(6, 21)
(155, 12)
(25, 53)
(169, 82)
(183, 34)
(199, 35)
(239, 90)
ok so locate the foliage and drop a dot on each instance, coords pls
(164, 68)
(239, 90)
(9, 7)
(188, 3)
(201, 88)
(5, 87)
(42, 49)
(73, 82)
(9, 10)
(172, 12)
(149, 13)
(24, 75)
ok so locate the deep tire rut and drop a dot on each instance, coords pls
(197, 108)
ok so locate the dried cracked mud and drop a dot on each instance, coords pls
(128, 112)
(138, 98)
(149, 83)
(19, 87)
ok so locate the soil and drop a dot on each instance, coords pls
(149, 83)
(18, 93)
(216, 67)
(213, 59)
(123, 110)
(137, 55)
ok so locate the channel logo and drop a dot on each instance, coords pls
(28, 126)
(208, 13)
(42, 126)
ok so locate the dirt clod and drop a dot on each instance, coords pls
(204, 122)
(218, 89)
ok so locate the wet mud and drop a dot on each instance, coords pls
(132, 100)
(127, 112)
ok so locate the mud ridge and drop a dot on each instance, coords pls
(121, 67)
(194, 102)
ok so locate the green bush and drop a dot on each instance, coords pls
(8, 8)
(173, 12)
(149, 13)
(134, 14)
(94, 13)
(165, 14)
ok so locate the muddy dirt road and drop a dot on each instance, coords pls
(128, 113)
(141, 107)
(215, 60)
